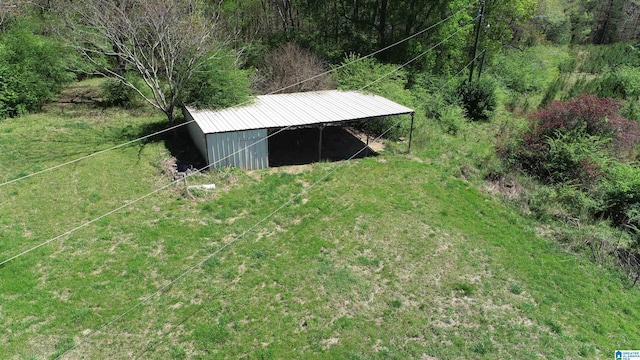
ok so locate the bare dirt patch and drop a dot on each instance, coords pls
(80, 94)
(376, 144)
(509, 188)
(327, 343)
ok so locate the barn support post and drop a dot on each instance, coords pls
(366, 151)
(411, 132)
(321, 127)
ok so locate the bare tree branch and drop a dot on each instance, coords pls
(291, 64)
(164, 41)
(11, 8)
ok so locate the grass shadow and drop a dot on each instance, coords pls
(177, 141)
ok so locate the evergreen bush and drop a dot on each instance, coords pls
(478, 98)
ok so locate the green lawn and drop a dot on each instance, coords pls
(395, 256)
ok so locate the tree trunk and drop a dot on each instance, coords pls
(170, 116)
(382, 23)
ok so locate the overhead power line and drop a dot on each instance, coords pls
(425, 52)
(129, 203)
(243, 103)
(440, 90)
(377, 51)
(162, 289)
(223, 247)
(89, 222)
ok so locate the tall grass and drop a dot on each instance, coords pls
(596, 59)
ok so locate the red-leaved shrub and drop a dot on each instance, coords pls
(586, 111)
(566, 139)
(626, 135)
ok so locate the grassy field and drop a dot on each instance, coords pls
(395, 256)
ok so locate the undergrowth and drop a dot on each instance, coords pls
(576, 160)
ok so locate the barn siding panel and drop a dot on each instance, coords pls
(243, 149)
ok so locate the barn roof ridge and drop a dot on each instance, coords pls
(296, 109)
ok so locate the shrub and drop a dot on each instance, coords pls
(523, 72)
(597, 116)
(631, 110)
(117, 93)
(587, 111)
(31, 71)
(525, 75)
(450, 118)
(383, 79)
(517, 103)
(571, 141)
(562, 201)
(596, 59)
(218, 83)
(622, 83)
(626, 136)
(573, 156)
(582, 85)
(552, 91)
(370, 75)
(287, 66)
(478, 98)
(620, 196)
(568, 65)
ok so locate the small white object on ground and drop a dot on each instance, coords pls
(202, 187)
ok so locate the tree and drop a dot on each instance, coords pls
(505, 19)
(630, 26)
(608, 17)
(163, 41)
(552, 21)
(10, 9)
(331, 28)
(290, 68)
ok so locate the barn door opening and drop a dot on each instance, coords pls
(301, 146)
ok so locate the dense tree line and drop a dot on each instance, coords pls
(155, 48)
(333, 28)
(588, 22)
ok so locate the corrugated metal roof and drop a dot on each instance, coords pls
(297, 109)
